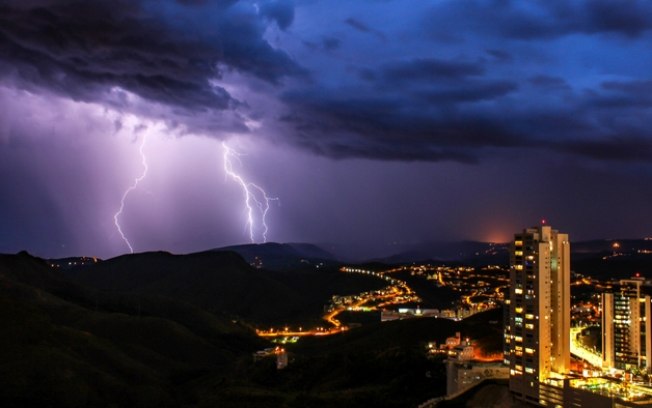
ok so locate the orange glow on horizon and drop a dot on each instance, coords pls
(497, 236)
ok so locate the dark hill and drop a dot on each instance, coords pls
(467, 252)
(64, 345)
(216, 281)
(613, 259)
(606, 246)
(483, 253)
(620, 267)
(222, 282)
(276, 256)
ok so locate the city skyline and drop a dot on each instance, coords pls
(374, 126)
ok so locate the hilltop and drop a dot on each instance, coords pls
(62, 344)
(223, 282)
(275, 256)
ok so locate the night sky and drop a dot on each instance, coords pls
(376, 124)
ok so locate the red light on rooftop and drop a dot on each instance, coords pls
(543, 221)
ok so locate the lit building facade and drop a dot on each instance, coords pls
(626, 328)
(537, 332)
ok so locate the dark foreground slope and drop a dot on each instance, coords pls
(223, 282)
(379, 365)
(63, 345)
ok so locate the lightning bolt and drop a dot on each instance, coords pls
(132, 187)
(255, 197)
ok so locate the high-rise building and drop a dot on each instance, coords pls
(537, 334)
(627, 327)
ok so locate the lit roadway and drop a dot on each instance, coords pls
(293, 333)
(579, 351)
(630, 389)
(466, 299)
(398, 292)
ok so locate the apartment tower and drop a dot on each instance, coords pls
(537, 335)
(627, 327)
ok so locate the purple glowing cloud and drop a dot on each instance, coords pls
(375, 122)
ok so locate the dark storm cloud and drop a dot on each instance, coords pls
(550, 82)
(423, 121)
(630, 18)
(407, 98)
(393, 128)
(500, 55)
(622, 95)
(326, 44)
(364, 28)
(541, 19)
(635, 88)
(499, 75)
(331, 43)
(440, 125)
(471, 92)
(202, 2)
(166, 52)
(538, 96)
(615, 149)
(280, 11)
(429, 70)
(439, 81)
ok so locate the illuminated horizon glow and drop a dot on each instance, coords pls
(132, 187)
(254, 195)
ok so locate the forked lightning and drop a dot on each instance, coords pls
(132, 187)
(256, 200)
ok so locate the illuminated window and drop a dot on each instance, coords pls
(518, 291)
(518, 309)
(529, 316)
(529, 370)
(518, 339)
(529, 326)
(518, 267)
(518, 253)
(518, 243)
(529, 350)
